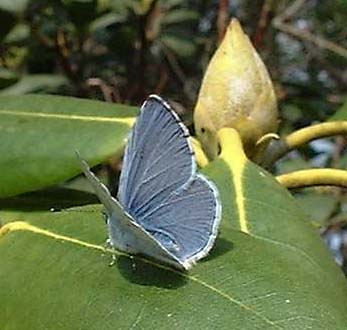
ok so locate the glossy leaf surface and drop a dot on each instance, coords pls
(40, 134)
(268, 270)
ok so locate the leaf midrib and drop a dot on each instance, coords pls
(125, 120)
(25, 226)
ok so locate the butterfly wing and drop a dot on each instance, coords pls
(160, 189)
(158, 158)
(187, 222)
(125, 234)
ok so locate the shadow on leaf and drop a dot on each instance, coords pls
(140, 272)
(48, 199)
(221, 247)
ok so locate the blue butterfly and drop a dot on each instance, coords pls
(165, 209)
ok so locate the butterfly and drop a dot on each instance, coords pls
(164, 208)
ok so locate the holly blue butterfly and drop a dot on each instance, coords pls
(164, 208)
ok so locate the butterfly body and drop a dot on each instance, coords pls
(164, 209)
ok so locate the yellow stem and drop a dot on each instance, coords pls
(267, 138)
(314, 177)
(313, 132)
(302, 136)
(231, 145)
(200, 156)
(261, 146)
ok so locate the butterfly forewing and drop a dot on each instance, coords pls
(157, 161)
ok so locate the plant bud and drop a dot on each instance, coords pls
(236, 92)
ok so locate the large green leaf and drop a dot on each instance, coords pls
(40, 134)
(268, 270)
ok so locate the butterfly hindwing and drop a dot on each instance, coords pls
(187, 222)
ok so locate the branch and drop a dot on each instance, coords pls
(308, 36)
(222, 19)
(291, 10)
(279, 23)
(263, 22)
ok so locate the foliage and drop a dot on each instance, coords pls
(247, 281)
(269, 267)
(102, 129)
(132, 47)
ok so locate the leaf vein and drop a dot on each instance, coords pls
(125, 120)
(25, 226)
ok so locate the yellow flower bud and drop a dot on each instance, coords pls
(236, 92)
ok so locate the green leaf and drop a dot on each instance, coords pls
(179, 45)
(19, 34)
(341, 113)
(14, 6)
(173, 3)
(179, 16)
(39, 136)
(318, 207)
(35, 83)
(106, 20)
(291, 164)
(268, 270)
(7, 78)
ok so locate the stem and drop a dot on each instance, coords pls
(200, 156)
(231, 145)
(222, 19)
(261, 146)
(310, 37)
(314, 177)
(300, 137)
(263, 23)
(138, 90)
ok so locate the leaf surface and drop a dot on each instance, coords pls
(40, 134)
(268, 270)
